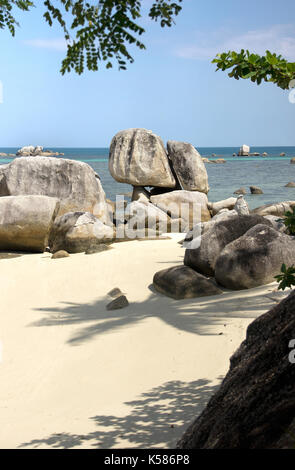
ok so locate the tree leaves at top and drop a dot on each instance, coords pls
(97, 31)
(270, 68)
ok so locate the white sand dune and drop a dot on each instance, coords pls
(76, 375)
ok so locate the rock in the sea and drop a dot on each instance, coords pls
(190, 206)
(290, 185)
(216, 207)
(220, 160)
(118, 303)
(278, 209)
(60, 254)
(72, 182)
(76, 232)
(138, 157)
(203, 258)
(188, 166)
(255, 258)
(292, 160)
(282, 154)
(182, 282)
(255, 190)
(26, 221)
(241, 191)
(254, 407)
(241, 206)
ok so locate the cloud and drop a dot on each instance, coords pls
(278, 38)
(58, 44)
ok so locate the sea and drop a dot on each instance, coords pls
(270, 173)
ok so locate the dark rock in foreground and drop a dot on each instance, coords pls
(255, 258)
(255, 405)
(182, 282)
(222, 233)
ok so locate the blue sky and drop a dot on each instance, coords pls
(172, 87)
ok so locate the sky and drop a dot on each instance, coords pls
(172, 87)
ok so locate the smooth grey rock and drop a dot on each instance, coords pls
(138, 157)
(25, 222)
(278, 209)
(188, 166)
(72, 182)
(141, 215)
(277, 223)
(77, 232)
(182, 282)
(241, 206)
(216, 207)
(118, 303)
(203, 258)
(255, 258)
(190, 206)
(60, 254)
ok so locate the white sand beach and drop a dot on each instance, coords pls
(76, 375)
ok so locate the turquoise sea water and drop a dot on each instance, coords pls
(270, 173)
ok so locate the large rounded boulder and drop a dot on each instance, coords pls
(74, 183)
(138, 157)
(76, 232)
(255, 258)
(188, 166)
(26, 221)
(203, 258)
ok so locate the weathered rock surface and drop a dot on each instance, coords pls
(203, 258)
(118, 303)
(241, 206)
(182, 282)
(277, 223)
(25, 222)
(255, 258)
(77, 232)
(190, 206)
(140, 194)
(216, 207)
(60, 254)
(138, 157)
(255, 407)
(141, 215)
(188, 166)
(74, 183)
(278, 209)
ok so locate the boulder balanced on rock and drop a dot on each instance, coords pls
(138, 157)
(188, 166)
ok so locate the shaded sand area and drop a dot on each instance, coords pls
(76, 375)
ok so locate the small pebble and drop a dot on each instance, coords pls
(60, 254)
(118, 303)
(116, 292)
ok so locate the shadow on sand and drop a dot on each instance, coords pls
(158, 418)
(197, 316)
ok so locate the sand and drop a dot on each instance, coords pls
(75, 375)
